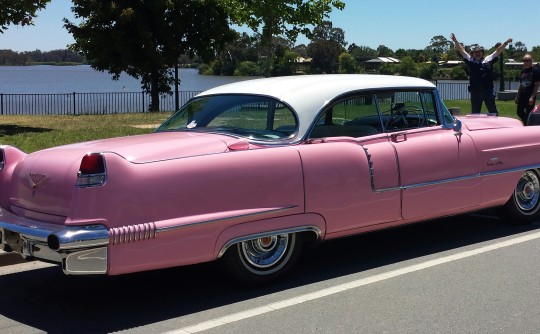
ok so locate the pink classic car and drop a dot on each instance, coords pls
(249, 173)
(534, 116)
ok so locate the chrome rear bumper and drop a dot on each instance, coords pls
(81, 250)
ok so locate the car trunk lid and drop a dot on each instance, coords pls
(43, 182)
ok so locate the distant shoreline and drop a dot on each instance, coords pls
(46, 63)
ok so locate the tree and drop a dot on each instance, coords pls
(535, 52)
(19, 12)
(362, 53)
(145, 38)
(520, 47)
(280, 17)
(439, 45)
(326, 31)
(347, 63)
(426, 71)
(325, 47)
(285, 62)
(384, 51)
(408, 67)
(401, 53)
(301, 50)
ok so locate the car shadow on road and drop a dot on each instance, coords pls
(49, 301)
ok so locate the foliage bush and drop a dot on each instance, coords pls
(458, 73)
(248, 68)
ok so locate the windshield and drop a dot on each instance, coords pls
(253, 117)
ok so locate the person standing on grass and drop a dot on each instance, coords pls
(528, 87)
(480, 71)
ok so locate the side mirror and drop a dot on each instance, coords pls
(457, 127)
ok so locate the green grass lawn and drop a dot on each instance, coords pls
(33, 133)
(506, 108)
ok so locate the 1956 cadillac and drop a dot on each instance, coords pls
(250, 172)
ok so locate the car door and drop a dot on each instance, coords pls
(346, 143)
(438, 172)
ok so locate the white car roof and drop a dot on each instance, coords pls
(308, 94)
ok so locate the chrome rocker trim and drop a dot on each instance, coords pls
(81, 250)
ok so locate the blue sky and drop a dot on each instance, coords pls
(407, 24)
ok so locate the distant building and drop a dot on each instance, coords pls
(375, 63)
(450, 63)
(511, 63)
(302, 64)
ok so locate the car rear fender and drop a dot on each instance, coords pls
(310, 223)
(9, 158)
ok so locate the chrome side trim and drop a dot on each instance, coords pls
(211, 221)
(456, 179)
(298, 229)
(370, 166)
(511, 170)
(431, 183)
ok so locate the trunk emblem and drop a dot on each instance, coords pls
(36, 179)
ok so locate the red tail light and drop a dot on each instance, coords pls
(92, 171)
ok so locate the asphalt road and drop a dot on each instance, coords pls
(466, 274)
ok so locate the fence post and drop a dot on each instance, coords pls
(1, 103)
(142, 93)
(74, 105)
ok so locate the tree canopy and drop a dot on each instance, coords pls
(19, 12)
(145, 38)
(281, 17)
(273, 18)
(327, 45)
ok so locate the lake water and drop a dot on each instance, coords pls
(45, 79)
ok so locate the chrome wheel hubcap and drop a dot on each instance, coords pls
(265, 252)
(527, 192)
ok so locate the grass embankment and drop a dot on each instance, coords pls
(33, 133)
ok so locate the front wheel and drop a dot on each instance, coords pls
(524, 205)
(263, 259)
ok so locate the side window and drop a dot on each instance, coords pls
(265, 118)
(353, 117)
(407, 110)
(430, 108)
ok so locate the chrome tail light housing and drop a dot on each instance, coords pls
(92, 172)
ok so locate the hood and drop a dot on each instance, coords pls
(484, 122)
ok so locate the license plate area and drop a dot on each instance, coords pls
(13, 242)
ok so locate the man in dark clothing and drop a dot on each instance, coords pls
(529, 81)
(481, 75)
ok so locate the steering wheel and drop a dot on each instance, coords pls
(398, 116)
(415, 112)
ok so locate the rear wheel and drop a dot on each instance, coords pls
(263, 259)
(524, 205)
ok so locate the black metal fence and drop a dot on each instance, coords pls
(85, 103)
(129, 102)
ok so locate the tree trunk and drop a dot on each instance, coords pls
(154, 92)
